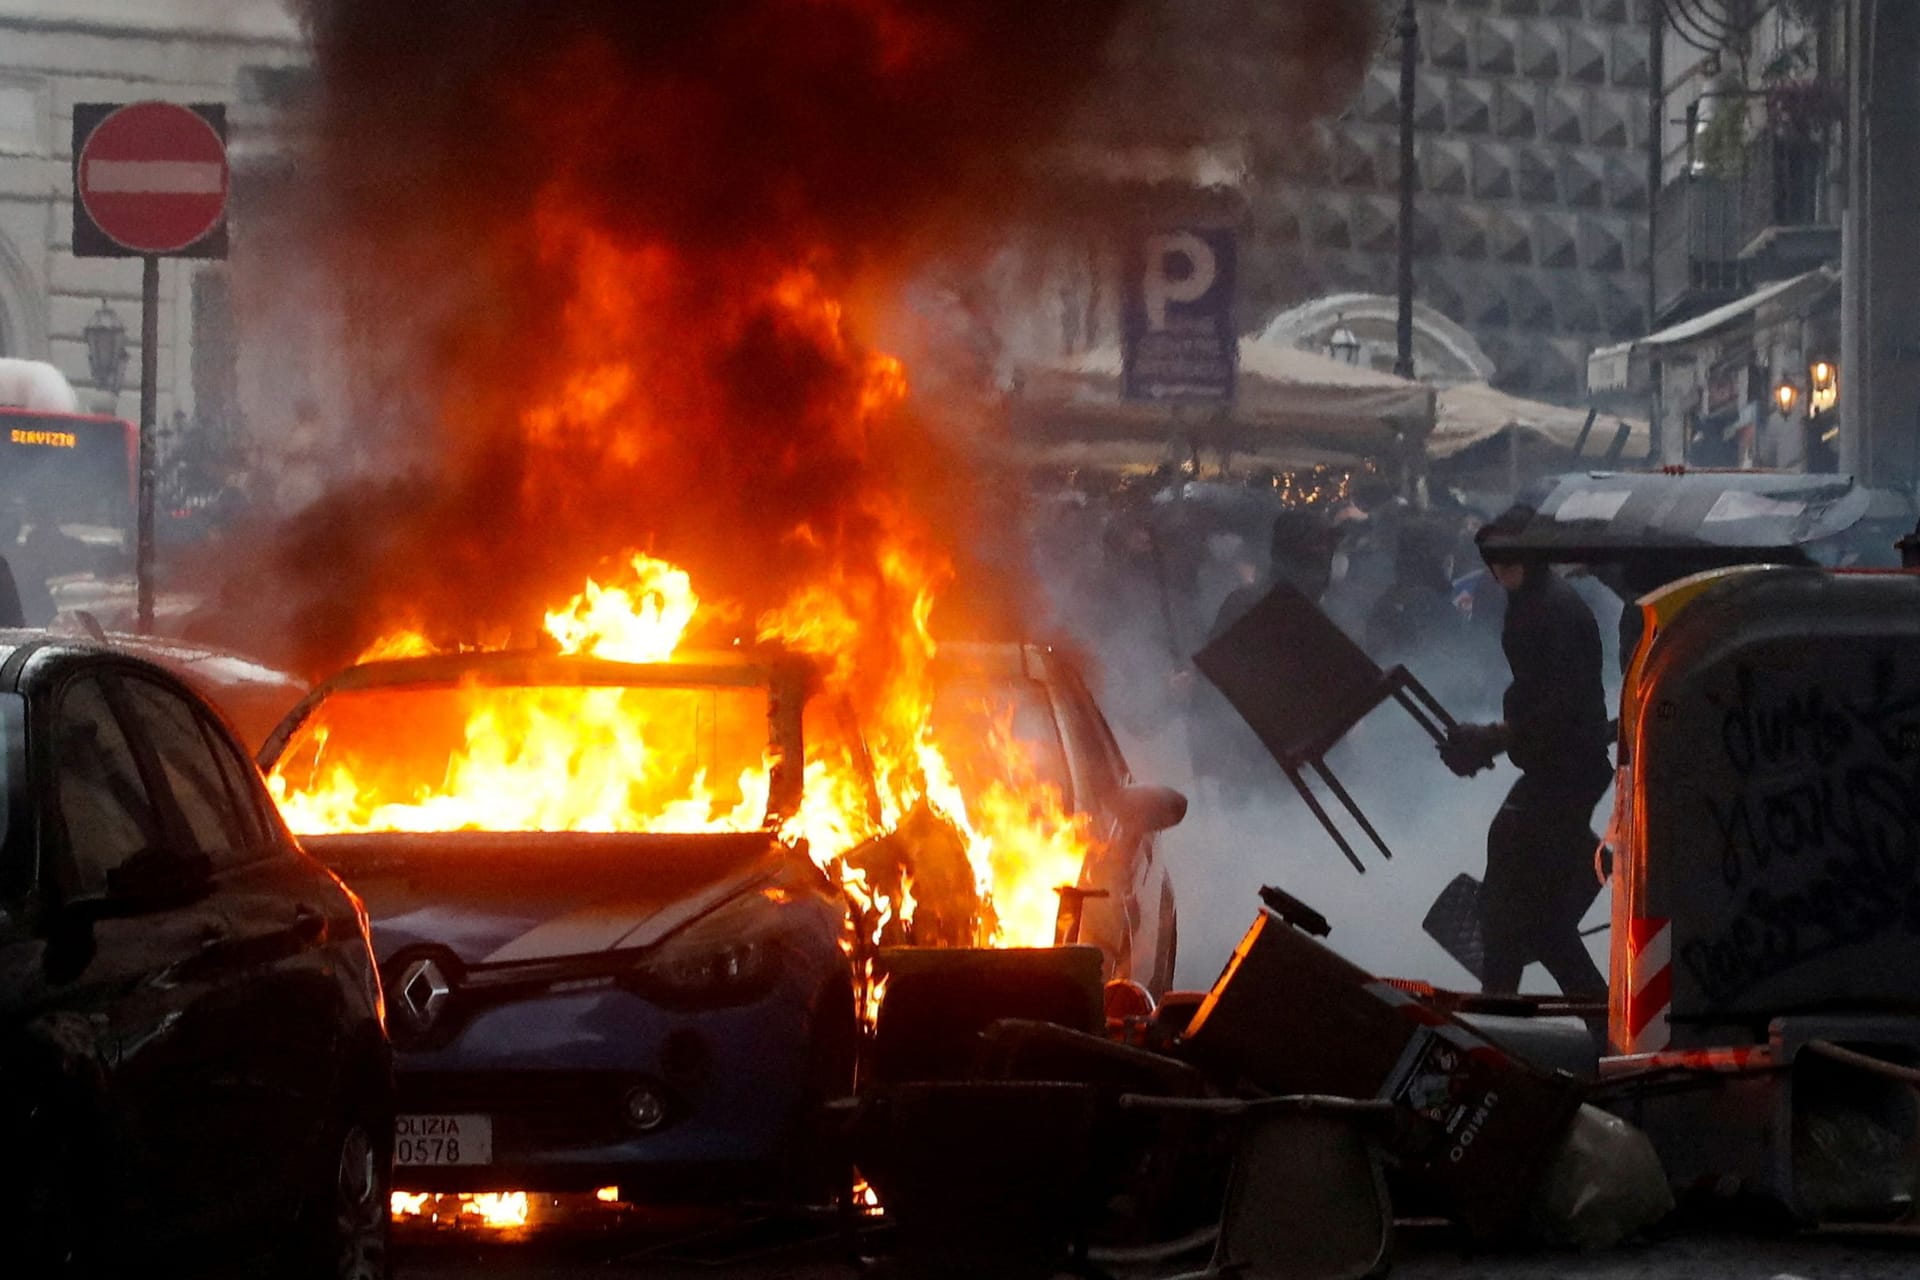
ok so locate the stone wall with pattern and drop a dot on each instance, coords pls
(1531, 229)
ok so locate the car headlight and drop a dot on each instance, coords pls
(731, 957)
(713, 971)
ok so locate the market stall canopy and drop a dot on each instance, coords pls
(1474, 415)
(1295, 408)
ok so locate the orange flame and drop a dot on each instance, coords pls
(566, 758)
(981, 868)
(643, 623)
(490, 1210)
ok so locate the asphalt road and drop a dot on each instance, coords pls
(697, 1251)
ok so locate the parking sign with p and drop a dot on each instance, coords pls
(1180, 342)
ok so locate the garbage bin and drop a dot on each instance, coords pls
(1289, 1016)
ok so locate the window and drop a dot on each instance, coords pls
(104, 805)
(528, 757)
(1000, 729)
(243, 784)
(221, 827)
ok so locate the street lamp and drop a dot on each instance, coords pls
(106, 348)
(1342, 345)
(1823, 385)
(1786, 395)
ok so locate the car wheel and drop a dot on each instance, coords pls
(344, 1227)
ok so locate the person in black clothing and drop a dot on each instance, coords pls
(1540, 847)
(1909, 549)
(1301, 552)
(1415, 616)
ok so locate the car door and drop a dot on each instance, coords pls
(128, 953)
(278, 999)
(1127, 922)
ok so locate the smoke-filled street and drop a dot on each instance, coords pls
(959, 638)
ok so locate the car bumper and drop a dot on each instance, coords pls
(558, 1075)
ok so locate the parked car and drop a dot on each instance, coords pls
(191, 1045)
(1037, 693)
(576, 1004)
(252, 696)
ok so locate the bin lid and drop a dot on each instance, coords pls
(1680, 522)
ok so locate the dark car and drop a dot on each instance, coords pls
(191, 1047)
(581, 998)
(1034, 695)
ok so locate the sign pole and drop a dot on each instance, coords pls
(149, 410)
(150, 181)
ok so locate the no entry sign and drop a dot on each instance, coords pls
(150, 181)
(150, 178)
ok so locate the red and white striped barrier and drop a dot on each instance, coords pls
(1724, 1060)
(1650, 984)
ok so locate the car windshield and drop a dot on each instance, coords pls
(999, 730)
(488, 757)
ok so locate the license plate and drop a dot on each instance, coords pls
(441, 1140)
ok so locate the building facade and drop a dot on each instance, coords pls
(55, 53)
(1743, 360)
(1530, 228)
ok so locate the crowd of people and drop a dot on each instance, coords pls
(1146, 576)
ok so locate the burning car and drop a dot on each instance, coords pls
(629, 898)
(1117, 894)
(605, 963)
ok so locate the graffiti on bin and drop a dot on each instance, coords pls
(1818, 835)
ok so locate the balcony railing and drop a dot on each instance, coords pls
(1696, 259)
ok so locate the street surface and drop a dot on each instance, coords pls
(763, 1254)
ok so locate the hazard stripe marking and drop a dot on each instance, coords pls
(1650, 974)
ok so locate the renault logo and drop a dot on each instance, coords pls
(423, 993)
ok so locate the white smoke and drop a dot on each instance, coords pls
(1435, 823)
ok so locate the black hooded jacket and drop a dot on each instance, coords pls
(1556, 707)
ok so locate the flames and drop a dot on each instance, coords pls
(628, 759)
(501, 1211)
(641, 623)
(839, 563)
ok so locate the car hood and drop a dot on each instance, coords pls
(508, 898)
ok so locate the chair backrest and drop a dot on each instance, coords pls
(1293, 675)
(1306, 1200)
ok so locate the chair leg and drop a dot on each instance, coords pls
(1313, 803)
(1333, 784)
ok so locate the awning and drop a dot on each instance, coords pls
(1622, 366)
(1295, 408)
(1473, 414)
